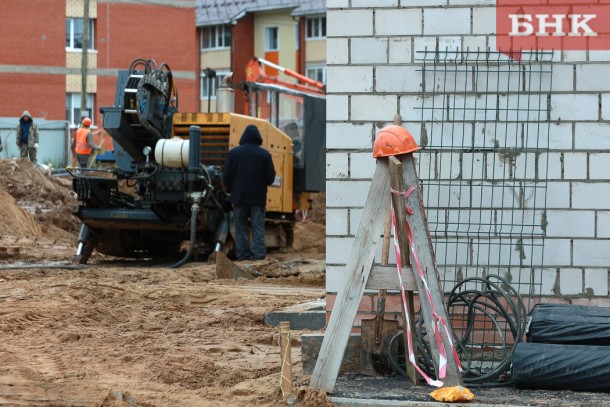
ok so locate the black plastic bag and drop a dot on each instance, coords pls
(569, 324)
(561, 367)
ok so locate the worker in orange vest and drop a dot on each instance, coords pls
(84, 145)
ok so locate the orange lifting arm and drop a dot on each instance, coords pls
(255, 73)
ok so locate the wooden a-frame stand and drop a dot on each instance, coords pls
(361, 274)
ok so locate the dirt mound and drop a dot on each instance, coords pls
(39, 199)
(14, 220)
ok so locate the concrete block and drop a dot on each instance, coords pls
(606, 106)
(588, 77)
(603, 224)
(497, 135)
(570, 281)
(369, 50)
(573, 56)
(349, 79)
(563, 79)
(309, 315)
(556, 252)
(473, 3)
(591, 253)
(453, 252)
(449, 165)
(448, 196)
(522, 108)
(362, 165)
(426, 3)
(549, 281)
(471, 108)
(598, 165)
(474, 43)
(549, 166)
(337, 3)
(525, 222)
(576, 107)
(396, 22)
(446, 21)
(349, 23)
(349, 136)
(336, 222)
(557, 196)
(373, 107)
(450, 82)
(310, 349)
(337, 249)
(591, 195)
(473, 166)
(519, 278)
(570, 223)
(374, 3)
(337, 51)
(486, 195)
(400, 50)
(354, 220)
(337, 165)
(575, 166)
(334, 278)
(484, 20)
(490, 80)
(560, 136)
(596, 282)
(490, 252)
(397, 79)
(592, 136)
(453, 44)
(525, 167)
(337, 107)
(532, 195)
(421, 44)
(350, 194)
(595, 55)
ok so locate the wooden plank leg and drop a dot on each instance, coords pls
(356, 274)
(407, 177)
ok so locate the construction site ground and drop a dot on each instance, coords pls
(121, 332)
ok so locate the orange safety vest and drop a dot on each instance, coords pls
(81, 146)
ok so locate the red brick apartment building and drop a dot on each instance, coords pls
(41, 48)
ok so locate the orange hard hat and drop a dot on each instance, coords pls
(393, 140)
(86, 122)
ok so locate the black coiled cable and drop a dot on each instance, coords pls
(483, 301)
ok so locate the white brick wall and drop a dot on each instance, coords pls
(374, 73)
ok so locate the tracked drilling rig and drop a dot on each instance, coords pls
(167, 188)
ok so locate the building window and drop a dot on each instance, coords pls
(272, 39)
(215, 36)
(316, 28)
(215, 82)
(316, 72)
(74, 34)
(73, 113)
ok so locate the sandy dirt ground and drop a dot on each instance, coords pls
(127, 333)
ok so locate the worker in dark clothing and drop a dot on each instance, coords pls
(27, 137)
(247, 173)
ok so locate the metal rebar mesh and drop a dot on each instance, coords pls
(485, 124)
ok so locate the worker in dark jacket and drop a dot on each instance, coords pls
(27, 137)
(247, 173)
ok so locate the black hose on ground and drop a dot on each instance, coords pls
(189, 252)
(496, 302)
